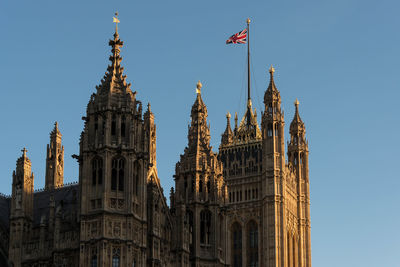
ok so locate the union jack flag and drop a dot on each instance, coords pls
(238, 38)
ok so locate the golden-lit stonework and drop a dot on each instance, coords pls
(246, 205)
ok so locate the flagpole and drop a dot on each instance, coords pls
(248, 62)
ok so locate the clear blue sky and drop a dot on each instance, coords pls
(339, 58)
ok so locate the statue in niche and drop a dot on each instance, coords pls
(60, 165)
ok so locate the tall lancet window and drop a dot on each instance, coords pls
(116, 257)
(201, 184)
(96, 125)
(136, 175)
(123, 126)
(236, 245)
(189, 218)
(97, 171)
(94, 261)
(205, 227)
(113, 125)
(269, 130)
(252, 244)
(117, 174)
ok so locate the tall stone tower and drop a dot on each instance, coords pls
(273, 177)
(200, 196)
(269, 207)
(117, 153)
(241, 154)
(55, 160)
(21, 216)
(298, 162)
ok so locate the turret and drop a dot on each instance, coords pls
(227, 136)
(199, 131)
(150, 135)
(298, 160)
(21, 208)
(298, 145)
(273, 127)
(55, 160)
(22, 189)
(200, 191)
(117, 149)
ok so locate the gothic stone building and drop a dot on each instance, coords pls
(247, 205)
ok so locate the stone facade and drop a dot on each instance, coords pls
(247, 205)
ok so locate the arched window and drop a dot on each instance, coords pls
(269, 130)
(116, 257)
(96, 123)
(185, 183)
(103, 127)
(270, 108)
(192, 185)
(97, 171)
(189, 216)
(123, 126)
(93, 262)
(136, 175)
(113, 125)
(117, 174)
(201, 184)
(205, 227)
(252, 244)
(236, 245)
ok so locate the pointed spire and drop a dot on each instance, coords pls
(271, 85)
(272, 93)
(296, 104)
(296, 114)
(55, 131)
(199, 132)
(227, 136)
(236, 120)
(148, 112)
(114, 80)
(198, 104)
(296, 124)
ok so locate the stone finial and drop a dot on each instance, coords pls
(24, 150)
(228, 115)
(236, 119)
(296, 103)
(116, 21)
(271, 70)
(198, 87)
